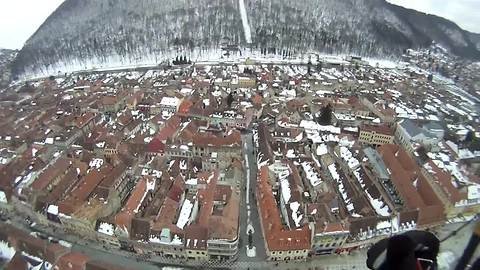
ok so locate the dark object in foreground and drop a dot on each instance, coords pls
(409, 251)
(470, 250)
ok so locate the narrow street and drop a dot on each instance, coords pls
(248, 207)
(117, 259)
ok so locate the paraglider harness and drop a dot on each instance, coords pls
(421, 263)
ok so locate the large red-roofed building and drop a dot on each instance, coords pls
(412, 186)
(281, 243)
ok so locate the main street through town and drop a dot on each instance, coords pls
(248, 208)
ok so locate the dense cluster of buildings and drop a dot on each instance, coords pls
(153, 162)
(22, 250)
(116, 160)
(382, 166)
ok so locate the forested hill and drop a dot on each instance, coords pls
(82, 33)
(6, 58)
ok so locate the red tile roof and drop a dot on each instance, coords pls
(176, 191)
(413, 187)
(114, 176)
(33, 245)
(155, 146)
(444, 179)
(136, 97)
(196, 237)
(166, 216)
(257, 100)
(185, 107)
(109, 100)
(72, 261)
(79, 195)
(331, 227)
(206, 196)
(125, 118)
(354, 101)
(277, 237)
(171, 126)
(379, 129)
(225, 225)
(18, 262)
(58, 168)
(124, 217)
(82, 120)
(403, 174)
(222, 193)
(208, 139)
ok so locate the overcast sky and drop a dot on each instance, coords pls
(20, 18)
(466, 13)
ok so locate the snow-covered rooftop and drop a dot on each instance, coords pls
(169, 101)
(322, 149)
(52, 209)
(380, 207)
(311, 174)
(294, 206)
(184, 214)
(474, 192)
(150, 187)
(3, 197)
(311, 125)
(96, 163)
(6, 251)
(346, 155)
(106, 228)
(285, 186)
(192, 181)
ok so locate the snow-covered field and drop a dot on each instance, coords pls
(198, 56)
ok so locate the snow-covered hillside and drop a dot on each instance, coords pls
(83, 34)
(6, 58)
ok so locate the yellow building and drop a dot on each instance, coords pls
(376, 135)
(246, 82)
(328, 238)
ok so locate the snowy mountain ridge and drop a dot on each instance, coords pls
(85, 34)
